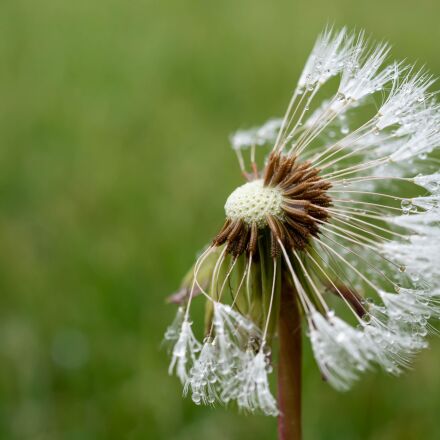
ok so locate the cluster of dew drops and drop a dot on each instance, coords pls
(206, 376)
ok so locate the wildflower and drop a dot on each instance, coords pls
(327, 224)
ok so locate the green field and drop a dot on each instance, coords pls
(114, 169)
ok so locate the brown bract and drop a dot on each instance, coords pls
(304, 203)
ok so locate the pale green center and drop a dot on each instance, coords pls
(252, 202)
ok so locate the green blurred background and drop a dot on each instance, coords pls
(114, 167)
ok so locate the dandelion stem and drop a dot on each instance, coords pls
(289, 370)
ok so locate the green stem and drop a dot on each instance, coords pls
(289, 369)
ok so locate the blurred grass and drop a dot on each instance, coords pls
(114, 167)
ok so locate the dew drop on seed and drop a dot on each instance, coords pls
(433, 186)
(340, 97)
(414, 276)
(196, 398)
(406, 206)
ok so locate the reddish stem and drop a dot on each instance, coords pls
(289, 369)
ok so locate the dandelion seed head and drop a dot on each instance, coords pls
(345, 204)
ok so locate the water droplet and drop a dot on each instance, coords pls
(196, 398)
(340, 97)
(414, 276)
(406, 206)
(433, 186)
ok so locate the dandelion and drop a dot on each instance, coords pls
(336, 231)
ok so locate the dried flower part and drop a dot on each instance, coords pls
(328, 219)
(290, 200)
